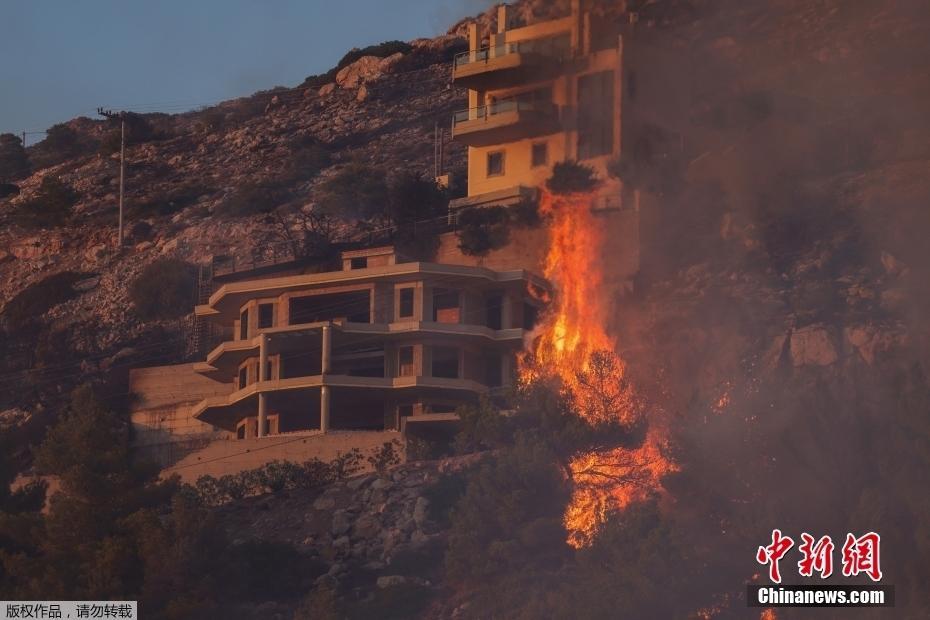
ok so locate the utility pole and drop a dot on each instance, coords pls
(122, 162)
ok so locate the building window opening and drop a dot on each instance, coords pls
(495, 312)
(405, 362)
(244, 324)
(265, 316)
(493, 371)
(446, 362)
(354, 307)
(446, 306)
(495, 164)
(243, 377)
(405, 309)
(530, 316)
(240, 432)
(540, 155)
(359, 262)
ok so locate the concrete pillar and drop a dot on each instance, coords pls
(503, 18)
(324, 408)
(262, 370)
(507, 311)
(327, 349)
(262, 413)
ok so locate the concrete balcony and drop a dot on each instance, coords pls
(224, 411)
(506, 120)
(510, 64)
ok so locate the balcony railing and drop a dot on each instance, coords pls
(557, 48)
(500, 107)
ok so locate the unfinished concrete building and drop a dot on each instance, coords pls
(313, 363)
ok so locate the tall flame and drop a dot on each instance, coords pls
(572, 344)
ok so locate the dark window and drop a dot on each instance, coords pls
(595, 118)
(243, 377)
(493, 370)
(446, 362)
(265, 315)
(495, 307)
(354, 307)
(540, 154)
(240, 432)
(360, 262)
(495, 163)
(244, 324)
(530, 314)
(405, 411)
(405, 362)
(268, 370)
(406, 303)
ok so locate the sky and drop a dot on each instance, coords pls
(63, 59)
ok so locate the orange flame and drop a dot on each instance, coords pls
(572, 344)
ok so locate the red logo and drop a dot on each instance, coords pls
(860, 555)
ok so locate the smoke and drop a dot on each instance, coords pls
(780, 316)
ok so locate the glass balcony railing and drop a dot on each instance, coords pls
(501, 106)
(553, 47)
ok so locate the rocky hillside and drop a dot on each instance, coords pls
(380, 112)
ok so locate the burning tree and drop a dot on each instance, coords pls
(572, 345)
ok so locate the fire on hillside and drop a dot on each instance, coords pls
(572, 346)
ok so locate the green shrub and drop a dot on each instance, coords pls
(569, 177)
(510, 515)
(49, 208)
(356, 191)
(164, 289)
(40, 297)
(443, 495)
(308, 157)
(381, 50)
(13, 160)
(384, 457)
(482, 229)
(252, 198)
(481, 428)
(8, 189)
(138, 131)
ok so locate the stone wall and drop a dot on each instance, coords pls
(229, 456)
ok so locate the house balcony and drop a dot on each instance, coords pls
(510, 64)
(506, 120)
(304, 393)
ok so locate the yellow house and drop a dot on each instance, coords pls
(537, 94)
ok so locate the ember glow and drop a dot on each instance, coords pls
(572, 344)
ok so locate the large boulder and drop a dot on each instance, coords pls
(366, 69)
(812, 346)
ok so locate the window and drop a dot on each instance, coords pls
(530, 316)
(445, 306)
(446, 362)
(405, 306)
(540, 154)
(595, 118)
(495, 309)
(243, 377)
(493, 368)
(268, 376)
(265, 315)
(360, 262)
(244, 324)
(495, 163)
(405, 362)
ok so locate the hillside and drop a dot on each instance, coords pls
(778, 326)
